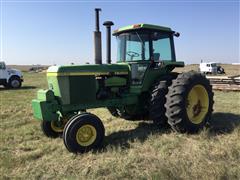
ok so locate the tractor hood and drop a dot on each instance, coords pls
(76, 84)
(14, 72)
(86, 70)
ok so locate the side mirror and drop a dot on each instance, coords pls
(177, 34)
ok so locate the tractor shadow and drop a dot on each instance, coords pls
(122, 139)
(21, 88)
(221, 123)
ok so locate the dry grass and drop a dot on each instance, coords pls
(136, 150)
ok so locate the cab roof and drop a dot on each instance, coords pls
(141, 26)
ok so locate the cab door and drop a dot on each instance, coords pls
(3, 72)
(162, 52)
(137, 54)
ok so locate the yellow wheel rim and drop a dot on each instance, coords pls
(55, 127)
(86, 135)
(197, 104)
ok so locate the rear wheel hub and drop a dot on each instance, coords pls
(197, 109)
(198, 103)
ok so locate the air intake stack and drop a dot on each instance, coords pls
(97, 39)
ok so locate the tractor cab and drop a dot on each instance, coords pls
(144, 42)
(145, 46)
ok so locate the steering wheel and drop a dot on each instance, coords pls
(133, 54)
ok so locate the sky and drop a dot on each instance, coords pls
(61, 32)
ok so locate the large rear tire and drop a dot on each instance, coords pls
(157, 109)
(157, 101)
(189, 102)
(83, 133)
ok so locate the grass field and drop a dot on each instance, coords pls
(136, 150)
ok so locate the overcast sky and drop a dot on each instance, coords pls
(60, 32)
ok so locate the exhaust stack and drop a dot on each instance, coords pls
(97, 39)
(108, 25)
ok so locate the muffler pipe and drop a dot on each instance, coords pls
(97, 39)
(108, 25)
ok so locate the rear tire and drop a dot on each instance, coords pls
(157, 109)
(189, 102)
(83, 133)
(158, 100)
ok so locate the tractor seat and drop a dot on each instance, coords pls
(156, 56)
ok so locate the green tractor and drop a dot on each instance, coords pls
(141, 85)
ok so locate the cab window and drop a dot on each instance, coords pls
(2, 66)
(133, 46)
(161, 46)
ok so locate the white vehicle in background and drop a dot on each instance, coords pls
(208, 68)
(211, 68)
(10, 78)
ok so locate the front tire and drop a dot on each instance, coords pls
(14, 82)
(83, 133)
(50, 129)
(189, 102)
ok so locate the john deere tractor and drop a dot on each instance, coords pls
(141, 85)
